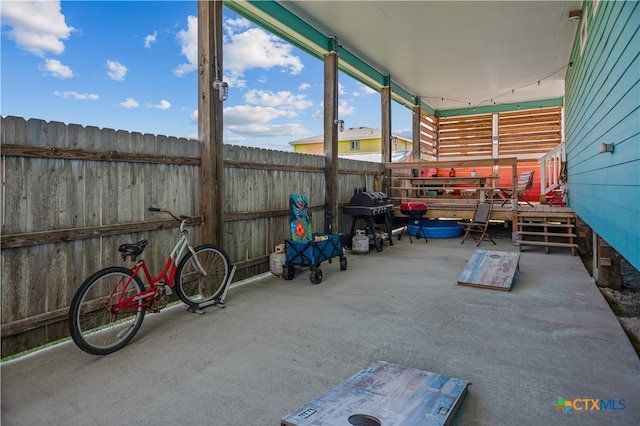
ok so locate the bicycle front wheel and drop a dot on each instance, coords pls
(195, 287)
(95, 326)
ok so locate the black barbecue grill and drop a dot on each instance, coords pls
(414, 211)
(374, 208)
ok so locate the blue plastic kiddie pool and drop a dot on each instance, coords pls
(435, 228)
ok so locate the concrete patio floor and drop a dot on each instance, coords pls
(279, 344)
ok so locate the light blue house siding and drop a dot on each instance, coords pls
(603, 106)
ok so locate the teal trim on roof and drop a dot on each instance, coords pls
(490, 109)
(425, 107)
(294, 30)
(284, 16)
(316, 44)
(352, 61)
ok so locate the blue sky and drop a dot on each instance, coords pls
(131, 66)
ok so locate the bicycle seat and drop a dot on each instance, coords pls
(134, 250)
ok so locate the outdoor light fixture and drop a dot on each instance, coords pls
(394, 140)
(574, 15)
(340, 124)
(223, 89)
(606, 147)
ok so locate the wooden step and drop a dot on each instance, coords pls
(547, 224)
(546, 243)
(563, 215)
(548, 234)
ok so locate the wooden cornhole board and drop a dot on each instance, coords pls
(387, 394)
(490, 269)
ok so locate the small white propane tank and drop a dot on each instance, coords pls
(360, 243)
(276, 260)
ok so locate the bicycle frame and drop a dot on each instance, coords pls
(167, 276)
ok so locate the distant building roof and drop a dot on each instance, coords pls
(376, 157)
(347, 134)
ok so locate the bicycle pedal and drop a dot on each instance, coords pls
(152, 310)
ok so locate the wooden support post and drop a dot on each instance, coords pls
(385, 109)
(331, 139)
(415, 152)
(210, 121)
(584, 238)
(609, 265)
(514, 185)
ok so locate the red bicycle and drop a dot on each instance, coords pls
(108, 308)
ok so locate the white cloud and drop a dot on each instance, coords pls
(270, 130)
(345, 109)
(129, 103)
(304, 86)
(249, 48)
(319, 112)
(163, 105)
(116, 71)
(233, 25)
(193, 117)
(255, 48)
(151, 38)
(254, 120)
(341, 90)
(364, 90)
(246, 114)
(188, 41)
(57, 69)
(277, 99)
(234, 79)
(77, 96)
(37, 26)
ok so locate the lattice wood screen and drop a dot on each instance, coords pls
(520, 133)
(529, 132)
(469, 135)
(428, 134)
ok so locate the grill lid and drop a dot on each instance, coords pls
(369, 199)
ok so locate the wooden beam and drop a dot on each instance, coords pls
(331, 139)
(385, 111)
(511, 161)
(416, 133)
(33, 322)
(67, 235)
(93, 155)
(210, 120)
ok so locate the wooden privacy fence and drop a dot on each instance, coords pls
(71, 194)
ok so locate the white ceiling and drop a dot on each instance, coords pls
(467, 52)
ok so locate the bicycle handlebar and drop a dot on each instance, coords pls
(183, 217)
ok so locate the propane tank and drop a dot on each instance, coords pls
(360, 243)
(276, 260)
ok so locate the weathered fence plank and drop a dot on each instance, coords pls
(72, 194)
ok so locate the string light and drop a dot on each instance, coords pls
(493, 100)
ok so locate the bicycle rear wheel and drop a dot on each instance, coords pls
(192, 286)
(94, 326)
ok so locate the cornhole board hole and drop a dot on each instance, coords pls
(491, 269)
(385, 394)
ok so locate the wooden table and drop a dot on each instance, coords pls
(491, 269)
(450, 184)
(388, 394)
